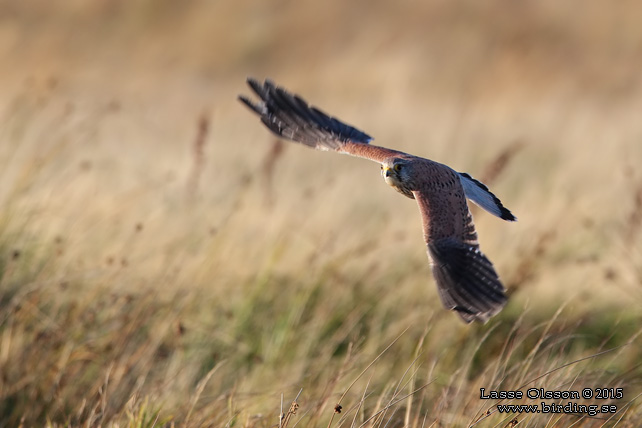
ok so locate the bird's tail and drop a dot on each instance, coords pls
(477, 192)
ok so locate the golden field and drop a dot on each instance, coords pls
(165, 262)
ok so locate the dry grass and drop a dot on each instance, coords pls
(158, 273)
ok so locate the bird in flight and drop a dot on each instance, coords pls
(466, 279)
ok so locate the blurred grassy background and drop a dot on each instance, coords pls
(164, 260)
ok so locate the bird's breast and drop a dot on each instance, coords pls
(393, 182)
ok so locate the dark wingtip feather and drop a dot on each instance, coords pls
(290, 116)
(255, 107)
(466, 314)
(466, 280)
(257, 87)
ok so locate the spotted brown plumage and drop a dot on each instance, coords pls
(466, 279)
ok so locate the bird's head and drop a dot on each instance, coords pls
(397, 173)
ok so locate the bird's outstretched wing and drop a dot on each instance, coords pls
(466, 279)
(290, 116)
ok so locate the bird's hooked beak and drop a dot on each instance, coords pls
(387, 171)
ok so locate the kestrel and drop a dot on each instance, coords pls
(466, 279)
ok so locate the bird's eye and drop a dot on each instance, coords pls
(398, 167)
